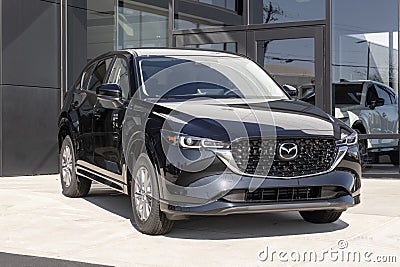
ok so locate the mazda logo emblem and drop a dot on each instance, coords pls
(288, 151)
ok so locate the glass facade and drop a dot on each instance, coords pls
(197, 15)
(341, 54)
(90, 32)
(141, 25)
(365, 75)
(98, 26)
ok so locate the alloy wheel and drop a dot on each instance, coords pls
(67, 166)
(143, 193)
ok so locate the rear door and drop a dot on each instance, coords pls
(82, 115)
(85, 100)
(107, 123)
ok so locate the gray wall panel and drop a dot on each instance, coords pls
(30, 43)
(30, 130)
(29, 88)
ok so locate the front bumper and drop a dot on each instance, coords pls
(212, 200)
(227, 208)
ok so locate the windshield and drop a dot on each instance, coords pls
(205, 76)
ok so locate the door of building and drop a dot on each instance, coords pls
(293, 56)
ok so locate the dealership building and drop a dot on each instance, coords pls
(344, 51)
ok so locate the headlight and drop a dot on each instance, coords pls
(193, 142)
(347, 138)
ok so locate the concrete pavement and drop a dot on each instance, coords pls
(36, 220)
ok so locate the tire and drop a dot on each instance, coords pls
(321, 216)
(72, 186)
(394, 158)
(145, 195)
(362, 145)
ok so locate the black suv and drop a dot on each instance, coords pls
(195, 132)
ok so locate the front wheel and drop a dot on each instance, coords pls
(71, 185)
(321, 216)
(145, 199)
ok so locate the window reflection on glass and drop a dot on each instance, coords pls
(280, 11)
(377, 160)
(229, 47)
(100, 27)
(365, 73)
(188, 23)
(142, 25)
(227, 4)
(198, 14)
(290, 62)
(91, 32)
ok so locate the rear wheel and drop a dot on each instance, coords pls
(145, 199)
(71, 185)
(321, 216)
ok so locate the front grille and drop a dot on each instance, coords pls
(260, 156)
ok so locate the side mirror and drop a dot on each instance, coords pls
(291, 90)
(376, 103)
(111, 90)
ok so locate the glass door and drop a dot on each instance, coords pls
(294, 57)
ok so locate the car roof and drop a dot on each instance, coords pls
(154, 51)
(178, 52)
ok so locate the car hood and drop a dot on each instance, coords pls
(235, 118)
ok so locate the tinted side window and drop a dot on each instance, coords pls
(372, 95)
(85, 78)
(347, 94)
(383, 94)
(389, 91)
(99, 74)
(120, 75)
